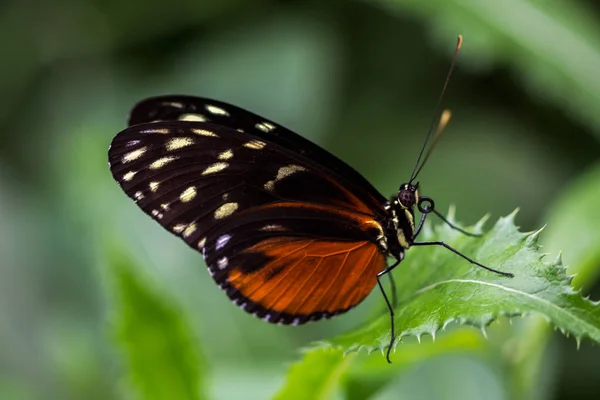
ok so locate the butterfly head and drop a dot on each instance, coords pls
(408, 194)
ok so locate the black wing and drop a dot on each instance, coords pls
(275, 227)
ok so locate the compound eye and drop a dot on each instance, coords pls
(406, 198)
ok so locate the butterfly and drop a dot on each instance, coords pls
(289, 231)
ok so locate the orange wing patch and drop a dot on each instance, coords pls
(307, 276)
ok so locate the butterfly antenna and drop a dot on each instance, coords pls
(444, 119)
(418, 164)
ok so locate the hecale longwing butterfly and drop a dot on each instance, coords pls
(290, 232)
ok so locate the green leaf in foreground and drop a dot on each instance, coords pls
(316, 377)
(436, 288)
(156, 340)
(321, 372)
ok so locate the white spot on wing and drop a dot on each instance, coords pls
(154, 186)
(161, 131)
(192, 117)
(226, 210)
(255, 144)
(138, 195)
(129, 176)
(222, 262)
(216, 110)
(222, 241)
(179, 228)
(179, 143)
(282, 174)
(226, 155)
(216, 167)
(133, 155)
(188, 194)
(204, 132)
(189, 230)
(161, 162)
(265, 126)
(272, 228)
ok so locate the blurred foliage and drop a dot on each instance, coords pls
(157, 343)
(359, 78)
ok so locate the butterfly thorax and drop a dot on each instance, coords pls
(399, 228)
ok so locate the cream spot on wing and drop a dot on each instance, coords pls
(216, 110)
(192, 117)
(204, 132)
(240, 130)
(265, 126)
(165, 206)
(282, 174)
(175, 104)
(225, 196)
(255, 144)
(133, 155)
(226, 210)
(138, 195)
(154, 186)
(179, 228)
(226, 155)
(188, 194)
(161, 162)
(129, 176)
(216, 167)
(201, 243)
(191, 228)
(179, 143)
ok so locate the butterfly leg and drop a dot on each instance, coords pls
(393, 289)
(389, 305)
(437, 243)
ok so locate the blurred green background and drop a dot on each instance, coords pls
(360, 78)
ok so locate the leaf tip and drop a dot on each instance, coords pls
(480, 224)
(511, 217)
(484, 332)
(532, 238)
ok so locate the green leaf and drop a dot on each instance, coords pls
(156, 340)
(554, 45)
(322, 372)
(438, 288)
(316, 377)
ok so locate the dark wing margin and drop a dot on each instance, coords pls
(285, 239)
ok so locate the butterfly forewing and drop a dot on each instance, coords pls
(280, 233)
(190, 108)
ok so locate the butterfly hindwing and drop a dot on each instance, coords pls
(280, 233)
